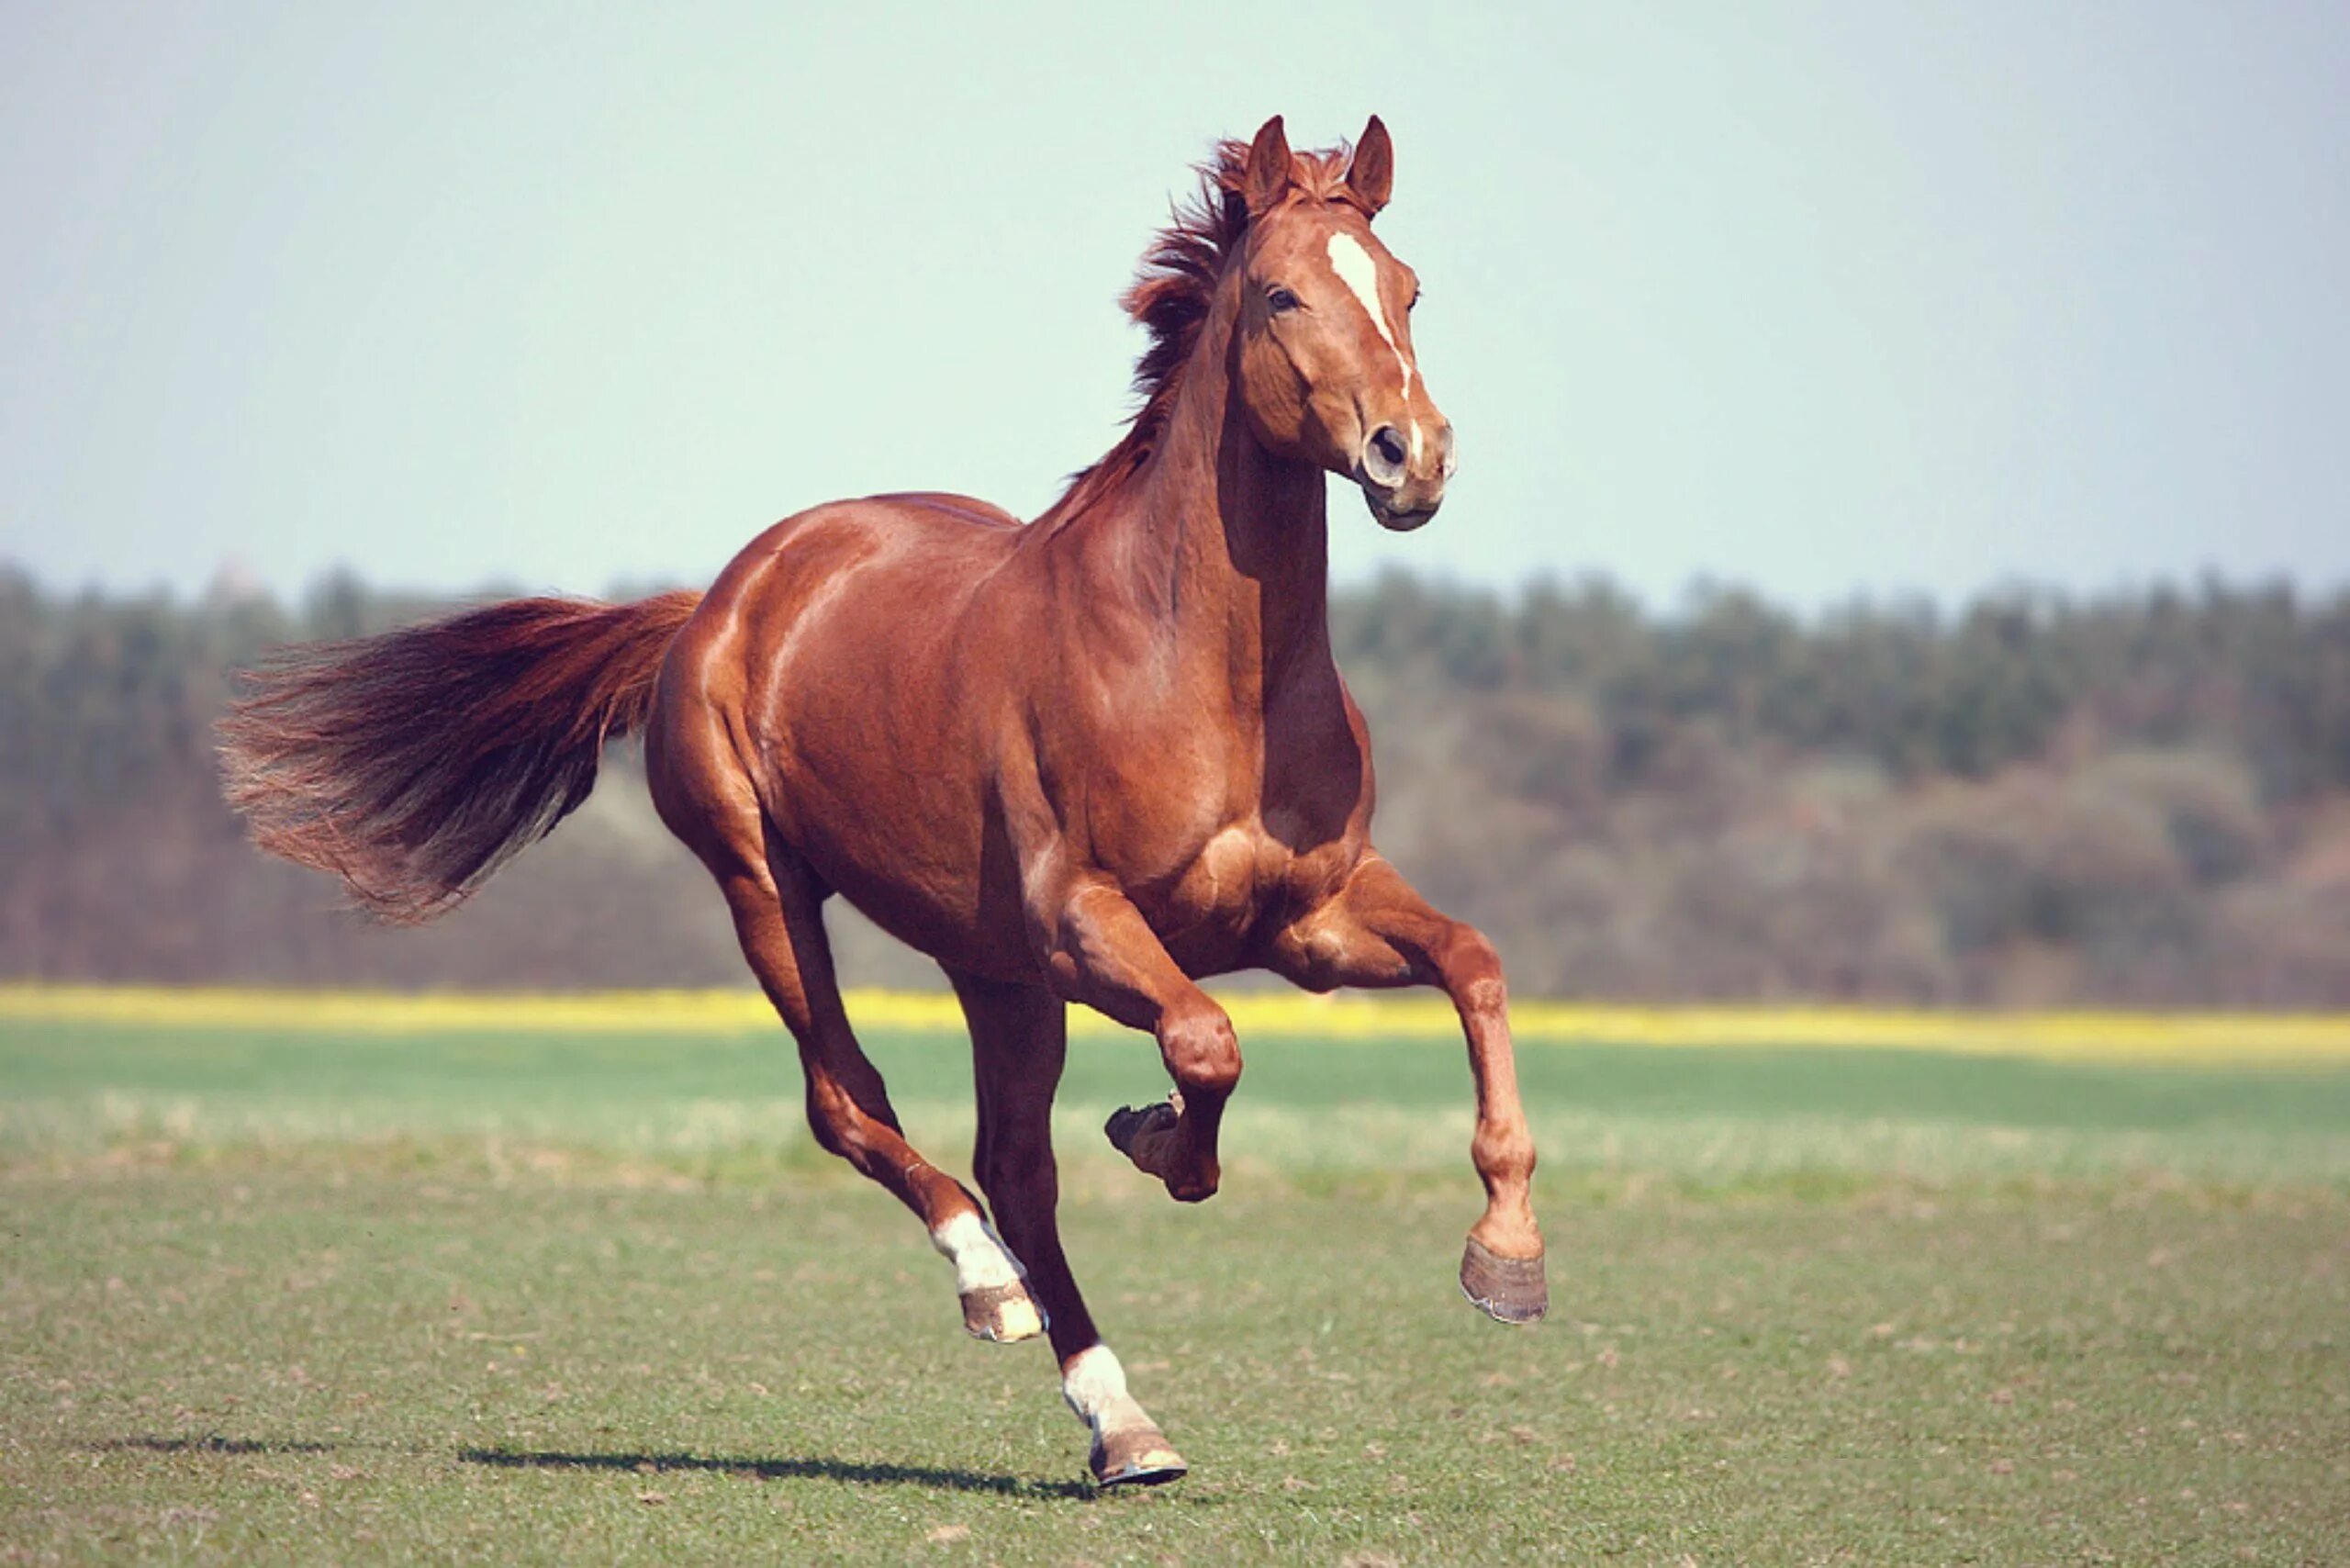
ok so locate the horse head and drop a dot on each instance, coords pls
(1322, 356)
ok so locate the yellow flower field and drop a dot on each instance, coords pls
(2180, 1037)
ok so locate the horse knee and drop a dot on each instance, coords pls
(1472, 973)
(1203, 1053)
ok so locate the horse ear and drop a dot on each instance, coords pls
(1268, 178)
(1371, 175)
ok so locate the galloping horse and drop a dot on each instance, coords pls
(1089, 758)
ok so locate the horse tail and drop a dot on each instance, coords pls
(414, 764)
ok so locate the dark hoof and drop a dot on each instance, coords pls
(1148, 1134)
(1507, 1290)
(1003, 1314)
(1125, 1124)
(1135, 1456)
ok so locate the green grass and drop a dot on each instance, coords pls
(281, 1297)
(709, 1104)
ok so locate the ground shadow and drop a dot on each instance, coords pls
(778, 1469)
(213, 1443)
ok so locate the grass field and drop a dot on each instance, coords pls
(321, 1280)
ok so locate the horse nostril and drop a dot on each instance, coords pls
(1385, 454)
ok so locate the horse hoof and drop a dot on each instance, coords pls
(1146, 1135)
(1135, 1456)
(1126, 1124)
(1507, 1290)
(1003, 1314)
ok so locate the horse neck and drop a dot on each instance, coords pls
(1232, 542)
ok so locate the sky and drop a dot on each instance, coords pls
(1828, 300)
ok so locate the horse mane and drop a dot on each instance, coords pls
(1173, 291)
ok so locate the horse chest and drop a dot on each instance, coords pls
(1220, 886)
(1239, 875)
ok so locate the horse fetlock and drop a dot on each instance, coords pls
(1193, 1174)
(1503, 1155)
(1093, 1382)
(989, 1280)
(982, 1259)
(1194, 1183)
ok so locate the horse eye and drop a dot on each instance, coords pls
(1281, 301)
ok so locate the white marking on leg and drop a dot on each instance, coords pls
(1095, 1386)
(1360, 274)
(979, 1256)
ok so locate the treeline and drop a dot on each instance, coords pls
(2139, 799)
(2012, 678)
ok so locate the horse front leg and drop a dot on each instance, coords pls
(1019, 1041)
(1099, 950)
(1375, 932)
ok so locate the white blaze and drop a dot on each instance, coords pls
(1360, 274)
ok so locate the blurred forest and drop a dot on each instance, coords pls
(2142, 799)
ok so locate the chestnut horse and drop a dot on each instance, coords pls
(1089, 758)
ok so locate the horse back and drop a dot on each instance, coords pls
(827, 703)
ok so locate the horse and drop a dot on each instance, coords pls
(1091, 758)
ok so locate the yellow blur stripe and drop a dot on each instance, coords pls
(2181, 1037)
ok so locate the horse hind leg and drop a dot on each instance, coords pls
(779, 919)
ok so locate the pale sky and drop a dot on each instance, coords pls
(1825, 299)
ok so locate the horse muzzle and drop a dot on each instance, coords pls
(1404, 476)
